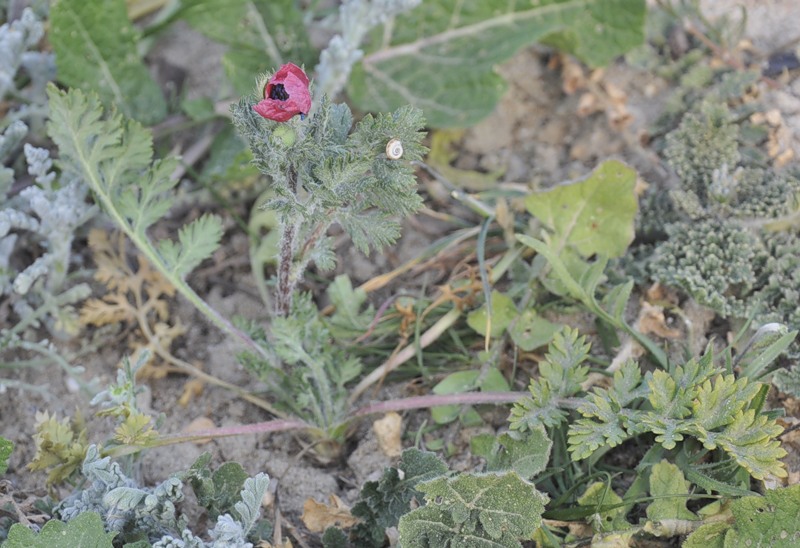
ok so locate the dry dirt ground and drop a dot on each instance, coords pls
(535, 136)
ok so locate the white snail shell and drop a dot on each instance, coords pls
(394, 149)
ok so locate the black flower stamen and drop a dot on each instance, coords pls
(278, 92)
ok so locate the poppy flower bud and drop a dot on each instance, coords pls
(285, 95)
(284, 136)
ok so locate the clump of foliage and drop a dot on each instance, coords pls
(61, 446)
(729, 235)
(130, 513)
(325, 172)
(497, 508)
(38, 220)
(691, 405)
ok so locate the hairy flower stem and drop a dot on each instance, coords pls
(283, 303)
(286, 282)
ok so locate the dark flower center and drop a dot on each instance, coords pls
(278, 92)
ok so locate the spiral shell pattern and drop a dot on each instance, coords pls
(394, 149)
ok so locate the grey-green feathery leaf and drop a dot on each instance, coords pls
(114, 157)
(196, 242)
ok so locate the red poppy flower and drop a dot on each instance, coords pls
(285, 95)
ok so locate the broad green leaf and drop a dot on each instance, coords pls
(441, 55)
(85, 531)
(595, 216)
(6, 447)
(464, 381)
(502, 314)
(598, 45)
(525, 453)
(531, 331)
(261, 35)
(95, 47)
(611, 513)
(768, 521)
(667, 481)
(474, 510)
(710, 535)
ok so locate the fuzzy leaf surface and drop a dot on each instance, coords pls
(474, 510)
(383, 502)
(95, 46)
(525, 453)
(85, 531)
(441, 56)
(768, 521)
(596, 215)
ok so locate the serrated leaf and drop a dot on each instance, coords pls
(596, 215)
(261, 35)
(627, 384)
(532, 331)
(496, 318)
(717, 405)
(600, 495)
(560, 376)
(768, 521)
(750, 440)
(95, 47)
(85, 531)
(369, 229)
(441, 57)
(112, 155)
(474, 510)
(667, 481)
(669, 398)
(196, 242)
(601, 426)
